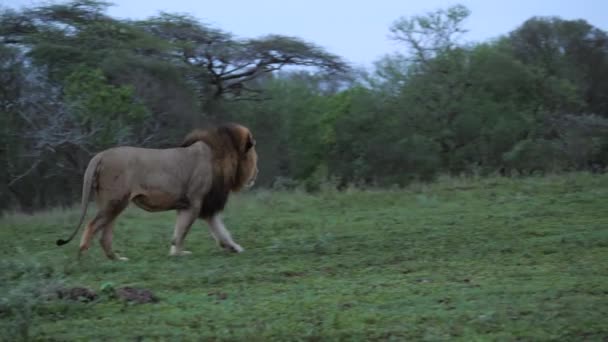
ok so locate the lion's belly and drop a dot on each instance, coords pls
(159, 201)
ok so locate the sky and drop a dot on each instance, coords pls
(357, 30)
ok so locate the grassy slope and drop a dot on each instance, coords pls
(485, 259)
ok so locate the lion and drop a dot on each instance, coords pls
(194, 179)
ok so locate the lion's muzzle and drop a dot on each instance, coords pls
(251, 181)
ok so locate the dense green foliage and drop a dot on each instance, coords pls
(75, 80)
(459, 259)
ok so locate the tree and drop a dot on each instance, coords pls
(432, 34)
(61, 37)
(433, 77)
(64, 38)
(570, 54)
(223, 67)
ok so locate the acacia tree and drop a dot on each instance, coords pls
(222, 66)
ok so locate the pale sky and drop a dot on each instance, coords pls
(354, 29)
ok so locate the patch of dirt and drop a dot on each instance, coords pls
(346, 306)
(81, 294)
(293, 274)
(132, 294)
(218, 295)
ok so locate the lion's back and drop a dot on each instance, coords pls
(141, 169)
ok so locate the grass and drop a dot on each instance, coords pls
(487, 259)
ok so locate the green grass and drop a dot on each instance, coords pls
(468, 260)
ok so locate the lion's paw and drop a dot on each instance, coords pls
(175, 252)
(233, 247)
(236, 248)
(117, 257)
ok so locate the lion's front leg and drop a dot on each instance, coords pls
(222, 235)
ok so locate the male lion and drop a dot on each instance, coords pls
(194, 179)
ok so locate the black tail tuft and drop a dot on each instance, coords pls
(62, 242)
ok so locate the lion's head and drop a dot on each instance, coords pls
(234, 162)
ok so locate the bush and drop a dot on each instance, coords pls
(24, 287)
(534, 155)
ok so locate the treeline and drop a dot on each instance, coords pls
(75, 81)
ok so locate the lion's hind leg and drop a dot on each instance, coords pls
(115, 208)
(103, 221)
(100, 220)
(87, 235)
(106, 243)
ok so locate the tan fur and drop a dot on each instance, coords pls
(194, 179)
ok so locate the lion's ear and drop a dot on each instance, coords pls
(250, 143)
(191, 138)
(187, 142)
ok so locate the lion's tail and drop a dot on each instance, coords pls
(87, 185)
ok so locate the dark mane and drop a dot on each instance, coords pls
(225, 148)
(215, 200)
